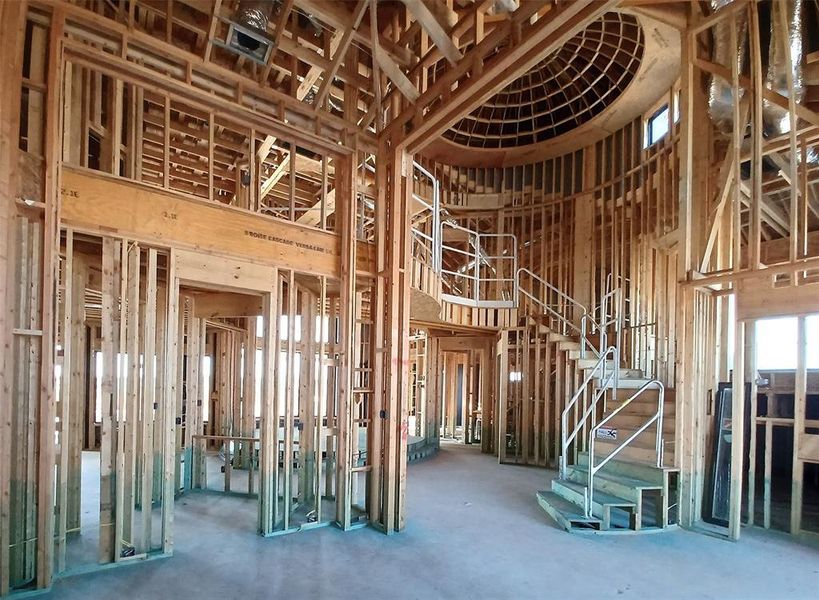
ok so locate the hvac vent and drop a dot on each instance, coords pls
(248, 42)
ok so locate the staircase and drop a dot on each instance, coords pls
(632, 489)
(617, 428)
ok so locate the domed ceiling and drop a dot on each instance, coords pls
(565, 90)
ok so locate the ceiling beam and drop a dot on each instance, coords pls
(337, 16)
(522, 44)
(340, 52)
(784, 172)
(315, 72)
(395, 74)
(436, 30)
(214, 20)
(281, 23)
(312, 216)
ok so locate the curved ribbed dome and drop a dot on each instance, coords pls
(568, 88)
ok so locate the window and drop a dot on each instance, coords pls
(656, 127)
(205, 388)
(677, 106)
(776, 343)
(98, 365)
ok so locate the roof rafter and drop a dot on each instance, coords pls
(429, 21)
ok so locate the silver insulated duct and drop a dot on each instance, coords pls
(720, 92)
(253, 15)
(775, 118)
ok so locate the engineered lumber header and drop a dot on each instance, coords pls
(102, 204)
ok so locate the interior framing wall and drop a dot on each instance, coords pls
(603, 216)
(374, 311)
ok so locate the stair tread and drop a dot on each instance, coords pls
(624, 431)
(569, 510)
(641, 403)
(632, 482)
(599, 497)
(638, 463)
(642, 444)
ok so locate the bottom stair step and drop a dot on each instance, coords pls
(567, 514)
(615, 513)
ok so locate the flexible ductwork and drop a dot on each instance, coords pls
(776, 120)
(775, 117)
(253, 14)
(720, 92)
(500, 7)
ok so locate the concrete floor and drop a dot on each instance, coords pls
(474, 530)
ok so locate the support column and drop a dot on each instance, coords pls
(12, 37)
(799, 407)
(690, 385)
(394, 182)
(737, 431)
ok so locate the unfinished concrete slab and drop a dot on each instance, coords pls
(473, 532)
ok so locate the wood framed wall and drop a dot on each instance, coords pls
(608, 208)
(743, 232)
(132, 130)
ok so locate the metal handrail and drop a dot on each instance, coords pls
(553, 312)
(435, 208)
(611, 309)
(567, 439)
(552, 288)
(658, 443)
(616, 320)
(476, 258)
(585, 319)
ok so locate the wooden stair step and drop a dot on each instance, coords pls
(602, 504)
(565, 513)
(643, 412)
(636, 452)
(617, 485)
(636, 469)
(626, 428)
(651, 392)
(590, 363)
(569, 346)
(577, 490)
(628, 383)
(637, 405)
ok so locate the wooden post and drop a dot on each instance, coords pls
(799, 408)
(65, 399)
(345, 198)
(12, 37)
(268, 459)
(169, 403)
(110, 300)
(149, 399)
(737, 431)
